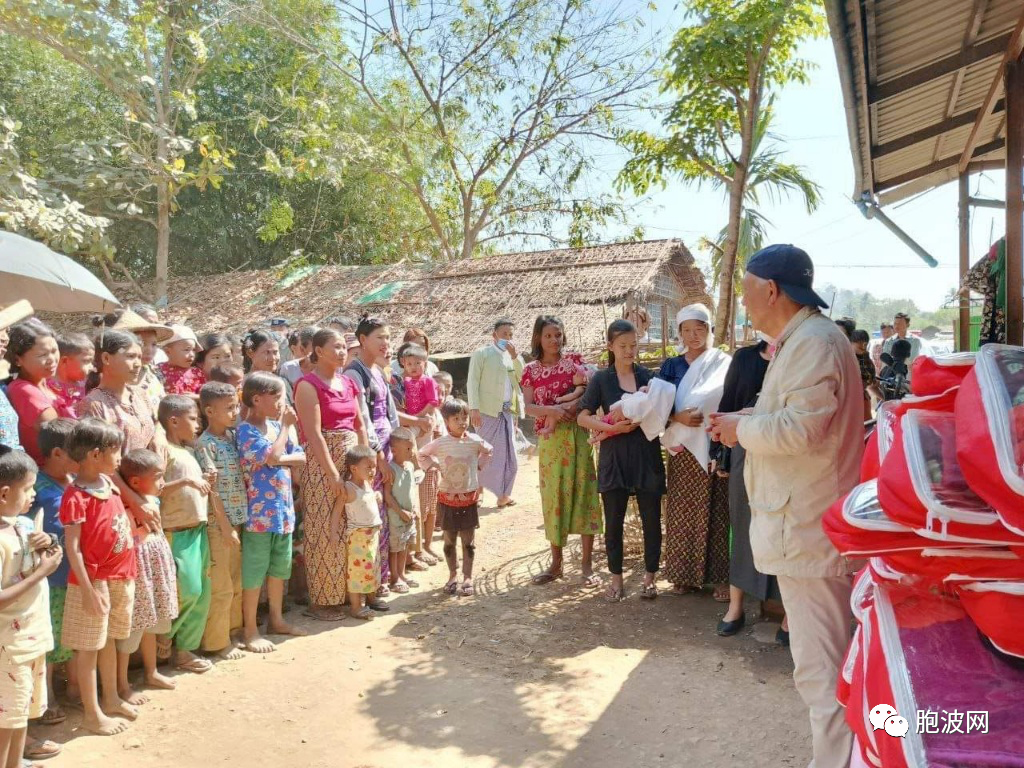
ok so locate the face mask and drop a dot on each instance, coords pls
(502, 344)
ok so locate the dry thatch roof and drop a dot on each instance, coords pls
(456, 303)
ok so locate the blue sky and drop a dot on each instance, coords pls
(849, 251)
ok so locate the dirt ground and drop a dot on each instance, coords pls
(518, 675)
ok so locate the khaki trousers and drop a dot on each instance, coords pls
(225, 590)
(819, 616)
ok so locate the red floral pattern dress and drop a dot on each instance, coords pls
(181, 381)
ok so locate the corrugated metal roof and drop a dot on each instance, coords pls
(915, 75)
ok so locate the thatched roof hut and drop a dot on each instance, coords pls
(457, 303)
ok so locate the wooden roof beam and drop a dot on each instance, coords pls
(1011, 53)
(963, 58)
(931, 131)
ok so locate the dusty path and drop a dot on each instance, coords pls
(516, 676)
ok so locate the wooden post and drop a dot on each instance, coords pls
(1015, 201)
(664, 331)
(964, 340)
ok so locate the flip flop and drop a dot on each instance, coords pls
(42, 750)
(412, 583)
(400, 589)
(53, 716)
(378, 606)
(546, 578)
(614, 595)
(721, 595)
(649, 592)
(451, 587)
(364, 615)
(196, 665)
(593, 580)
(509, 503)
(467, 589)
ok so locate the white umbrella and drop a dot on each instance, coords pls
(52, 282)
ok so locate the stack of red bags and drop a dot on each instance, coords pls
(939, 604)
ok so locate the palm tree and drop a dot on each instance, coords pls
(769, 178)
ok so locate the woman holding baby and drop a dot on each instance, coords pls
(630, 464)
(697, 512)
(568, 481)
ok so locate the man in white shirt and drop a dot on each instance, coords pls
(902, 325)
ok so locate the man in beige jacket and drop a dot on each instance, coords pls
(804, 440)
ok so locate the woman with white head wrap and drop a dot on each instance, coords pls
(697, 512)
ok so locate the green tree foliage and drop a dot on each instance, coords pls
(148, 55)
(486, 111)
(723, 69)
(32, 207)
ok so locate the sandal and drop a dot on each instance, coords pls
(412, 583)
(196, 665)
(42, 750)
(466, 590)
(364, 615)
(509, 503)
(378, 606)
(593, 580)
(415, 565)
(400, 589)
(649, 592)
(614, 595)
(428, 558)
(546, 578)
(721, 594)
(53, 716)
(383, 590)
(451, 587)
(679, 589)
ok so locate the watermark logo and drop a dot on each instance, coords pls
(885, 717)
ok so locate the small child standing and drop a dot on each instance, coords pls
(422, 398)
(459, 455)
(183, 514)
(77, 354)
(178, 374)
(101, 584)
(217, 451)
(402, 498)
(156, 592)
(55, 475)
(362, 530)
(267, 455)
(26, 559)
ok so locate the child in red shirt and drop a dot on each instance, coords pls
(77, 354)
(101, 585)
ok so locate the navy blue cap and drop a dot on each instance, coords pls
(791, 268)
(278, 321)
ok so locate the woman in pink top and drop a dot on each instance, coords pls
(33, 354)
(330, 420)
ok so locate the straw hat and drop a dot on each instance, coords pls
(15, 313)
(134, 323)
(181, 333)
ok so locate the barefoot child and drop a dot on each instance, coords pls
(403, 502)
(267, 455)
(183, 514)
(362, 530)
(179, 375)
(459, 455)
(55, 475)
(26, 558)
(101, 583)
(156, 592)
(77, 353)
(217, 451)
